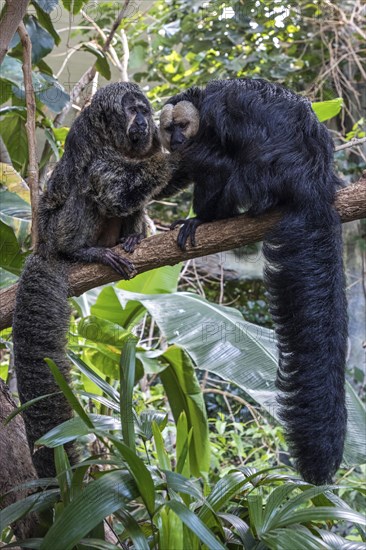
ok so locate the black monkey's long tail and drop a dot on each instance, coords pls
(40, 325)
(307, 295)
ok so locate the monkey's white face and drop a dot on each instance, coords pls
(178, 123)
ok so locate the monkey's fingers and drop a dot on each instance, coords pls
(177, 222)
(123, 266)
(129, 243)
(188, 231)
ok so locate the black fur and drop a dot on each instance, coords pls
(260, 146)
(112, 166)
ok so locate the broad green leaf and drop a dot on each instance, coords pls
(219, 340)
(184, 394)
(223, 491)
(101, 63)
(171, 532)
(192, 521)
(64, 386)
(42, 41)
(63, 473)
(42, 10)
(325, 110)
(103, 331)
(16, 213)
(98, 499)
(162, 455)
(75, 427)
(322, 513)
(134, 530)
(35, 503)
(97, 544)
(127, 313)
(53, 94)
(180, 484)
(255, 507)
(46, 5)
(74, 5)
(14, 183)
(15, 139)
(140, 473)
(127, 380)
(184, 438)
(294, 538)
(94, 377)
(11, 257)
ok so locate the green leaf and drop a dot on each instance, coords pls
(255, 506)
(46, 5)
(101, 64)
(134, 530)
(94, 377)
(42, 41)
(114, 307)
(64, 474)
(103, 331)
(182, 447)
(163, 457)
(98, 499)
(15, 213)
(35, 503)
(184, 394)
(140, 473)
(64, 386)
(195, 525)
(11, 257)
(15, 139)
(45, 19)
(325, 110)
(299, 537)
(127, 380)
(75, 427)
(52, 93)
(74, 5)
(219, 340)
(221, 494)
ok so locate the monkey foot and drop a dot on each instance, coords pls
(187, 231)
(129, 243)
(123, 266)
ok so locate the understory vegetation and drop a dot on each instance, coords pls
(174, 371)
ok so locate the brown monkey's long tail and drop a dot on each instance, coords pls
(40, 326)
(306, 284)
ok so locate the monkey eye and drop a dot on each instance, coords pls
(184, 125)
(169, 128)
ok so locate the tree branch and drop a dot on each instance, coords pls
(352, 143)
(30, 127)
(13, 14)
(162, 249)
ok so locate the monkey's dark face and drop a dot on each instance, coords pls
(138, 119)
(178, 124)
(123, 118)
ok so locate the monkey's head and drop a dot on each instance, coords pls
(123, 118)
(178, 124)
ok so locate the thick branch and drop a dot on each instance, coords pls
(13, 14)
(162, 249)
(30, 127)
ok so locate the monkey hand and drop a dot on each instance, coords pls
(124, 267)
(130, 242)
(187, 231)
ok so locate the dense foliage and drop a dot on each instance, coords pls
(173, 393)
